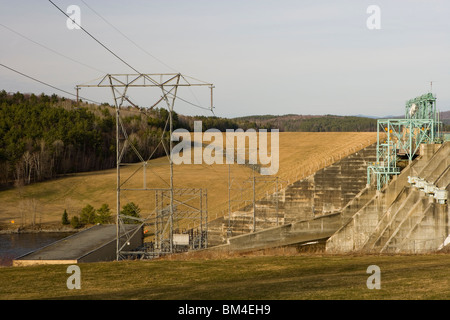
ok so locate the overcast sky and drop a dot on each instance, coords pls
(264, 57)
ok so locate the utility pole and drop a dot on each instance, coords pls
(206, 219)
(229, 201)
(254, 202)
(276, 194)
(78, 89)
(171, 180)
(201, 219)
(212, 105)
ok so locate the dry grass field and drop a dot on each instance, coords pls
(269, 277)
(300, 154)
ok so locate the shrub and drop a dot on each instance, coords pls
(75, 222)
(65, 218)
(131, 210)
(87, 215)
(103, 214)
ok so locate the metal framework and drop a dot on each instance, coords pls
(246, 198)
(165, 215)
(403, 137)
(190, 210)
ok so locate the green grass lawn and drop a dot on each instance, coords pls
(299, 277)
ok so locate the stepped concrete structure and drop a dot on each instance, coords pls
(336, 207)
(305, 210)
(402, 217)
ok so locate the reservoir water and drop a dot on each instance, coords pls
(15, 245)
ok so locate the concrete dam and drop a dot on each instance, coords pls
(337, 208)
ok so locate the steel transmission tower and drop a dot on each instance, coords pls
(168, 84)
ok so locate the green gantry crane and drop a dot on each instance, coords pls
(403, 137)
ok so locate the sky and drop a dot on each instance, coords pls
(263, 57)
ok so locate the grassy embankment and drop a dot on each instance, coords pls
(279, 277)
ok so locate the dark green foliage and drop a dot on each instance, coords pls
(131, 210)
(298, 123)
(103, 215)
(87, 215)
(286, 123)
(44, 136)
(221, 124)
(65, 218)
(75, 222)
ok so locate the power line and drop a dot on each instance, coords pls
(54, 51)
(46, 84)
(125, 36)
(98, 41)
(122, 60)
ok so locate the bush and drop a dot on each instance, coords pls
(103, 214)
(87, 215)
(75, 222)
(131, 210)
(65, 218)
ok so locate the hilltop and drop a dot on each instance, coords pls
(445, 118)
(324, 123)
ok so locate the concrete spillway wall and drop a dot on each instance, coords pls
(399, 218)
(402, 217)
(324, 193)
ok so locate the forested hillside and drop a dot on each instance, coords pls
(325, 123)
(309, 123)
(43, 136)
(445, 118)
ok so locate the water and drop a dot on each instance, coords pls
(17, 244)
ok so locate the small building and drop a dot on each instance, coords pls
(95, 244)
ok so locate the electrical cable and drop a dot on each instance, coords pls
(122, 60)
(94, 38)
(152, 56)
(125, 36)
(48, 85)
(49, 49)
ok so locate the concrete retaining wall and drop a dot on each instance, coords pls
(401, 218)
(328, 206)
(327, 191)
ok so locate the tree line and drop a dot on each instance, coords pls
(304, 123)
(89, 215)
